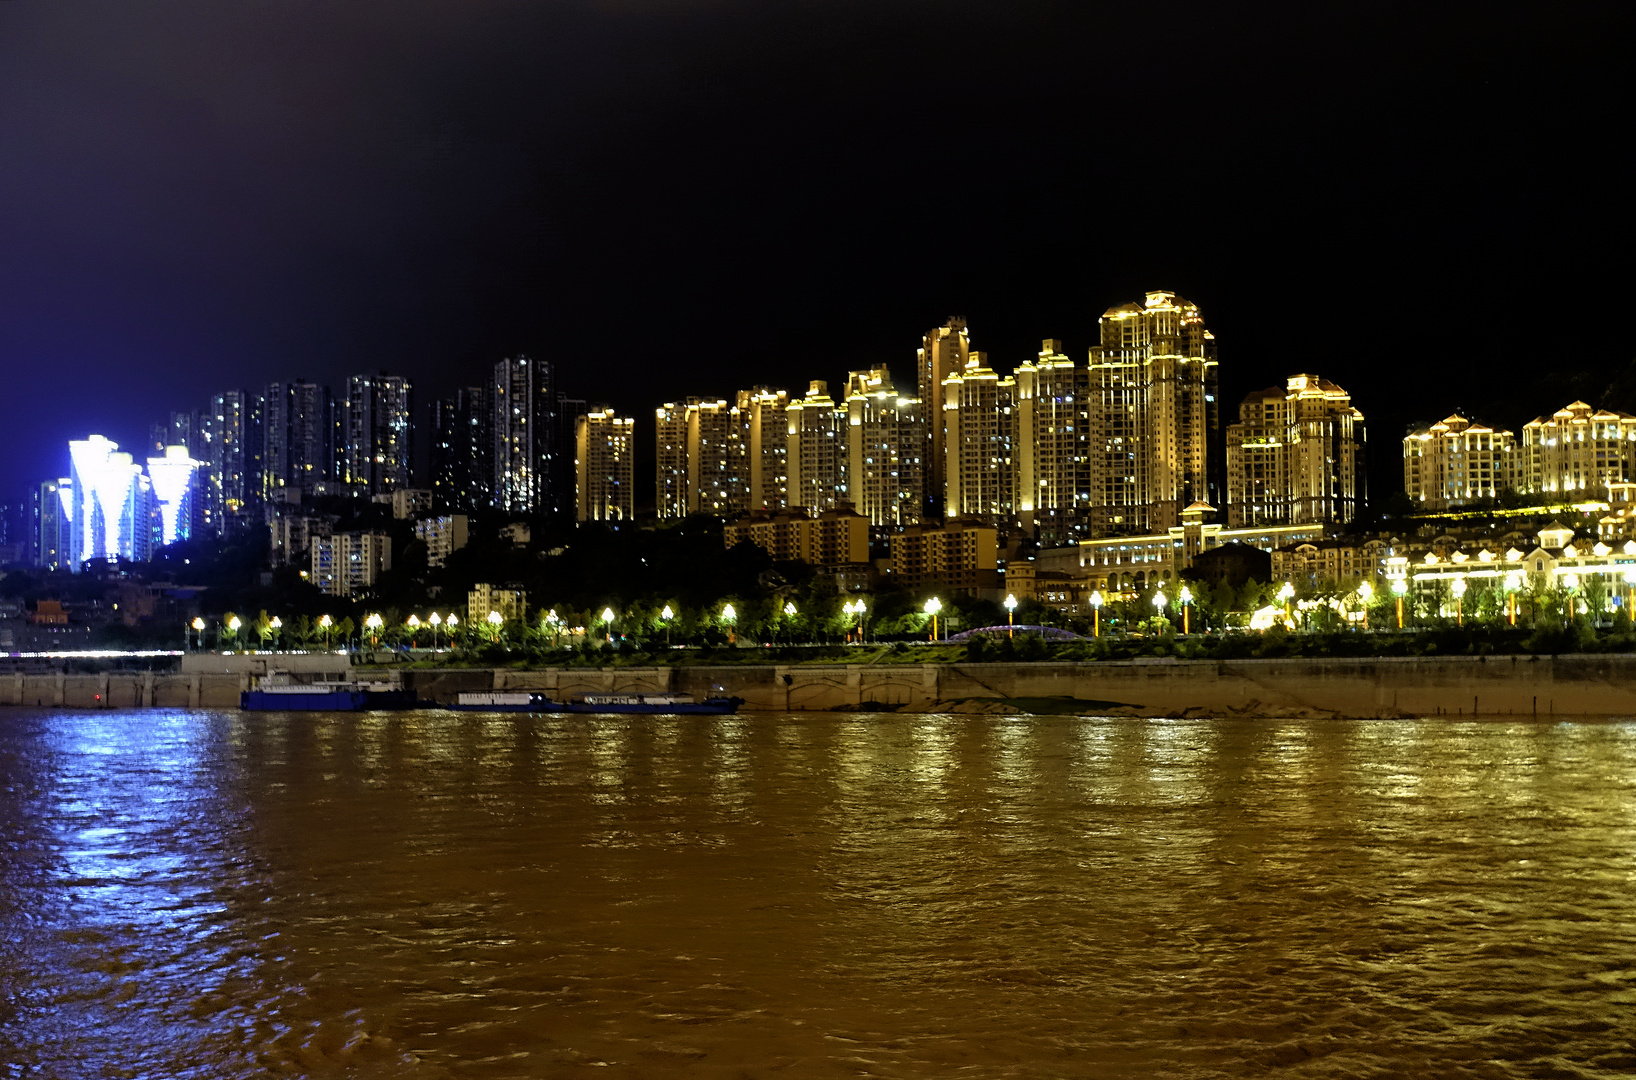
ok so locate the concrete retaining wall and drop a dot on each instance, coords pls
(1491, 686)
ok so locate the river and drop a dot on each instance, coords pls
(222, 895)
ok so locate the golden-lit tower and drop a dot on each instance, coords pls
(1152, 413)
(886, 450)
(1050, 453)
(604, 446)
(944, 352)
(764, 431)
(817, 431)
(1295, 457)
(670, 477)
(980, 434)
(1457, 461)
(715, 477)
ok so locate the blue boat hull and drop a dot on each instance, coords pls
(327, 701)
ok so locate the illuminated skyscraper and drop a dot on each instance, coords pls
(980, 437)
(817, 454)
(1152, 414)
(1052, 490)
(295, 438)
(109, 504)
(462, 457)
(379, 444)
(1295, 457)
(765, 432)
(604, 457)
(716, 480)
(564, 416)
(943, 353)
(53, 517)
(231, 482)
(885, 451)
(671, 467)
(174, 477)
(524, 396)
(1455, 462)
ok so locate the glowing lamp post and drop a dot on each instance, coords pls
(1366, 593)
(1186, 598)
(495, 621)
(1459, 589)
(730, 617)
(857, 607)
(326, 624)
(1513, 584)
(789, 613)
(198, 632)
(933, 606)
(413, 623)
(667, 615)
(1096, 613)
(1010, 615)
(1286, 594)
(1399, 587)
(1159, 602)
(278, 632)
(373, 623)
(436, 620)
(233, 625)
(607, 623)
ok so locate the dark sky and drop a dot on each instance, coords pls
(677, 197)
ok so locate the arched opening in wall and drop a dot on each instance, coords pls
(1141, 580)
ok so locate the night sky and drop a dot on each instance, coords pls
(675, 197)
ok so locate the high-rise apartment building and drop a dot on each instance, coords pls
(1052, 486)
(979, 439)
(765, 432)
(671, 465)
(1577, 452)
(232, 450)
(604, 451)
(379, 445)
(524, 399)
(1456, 462)
(462, 451)
(347, 563)
(1152, 415)
(817, 453)
(1295, 456)
(715, 452)
(885, 451)
(109, 506)
(944, 352)
(53, 522)
(174, 478)
(564, 420)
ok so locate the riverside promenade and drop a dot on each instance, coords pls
(1600, 685)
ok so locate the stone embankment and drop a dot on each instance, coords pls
(1504, 686)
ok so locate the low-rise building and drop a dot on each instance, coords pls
(348, 563)
(963, 557)
(442, 536)
(483, 598)
(1456, 462)
(1345, 561)
(1133, 563)
(834, 539)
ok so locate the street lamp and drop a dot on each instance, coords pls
(789, 613)
(1399, 587)
(1459, 590)
(1096, 613)
(933, 606)
(198, 631)
(278, 632)
(607, 623)
(413, 623)
(374, 622)
(1513, 584)
(1286, 594)
(1159, 601)
(1630, 590)
(436, 620)
(1366, 593)
(325, 623)
(233, 625)
(495, 621)
(667, 615)
(1010, 615)
(730, 617)
(1186, 598)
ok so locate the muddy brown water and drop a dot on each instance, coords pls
(222, 895)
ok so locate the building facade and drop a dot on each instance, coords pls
(442, 536)
(832, 539)
(1295, 456)
(1577, 452)
(816, 456)
(1052, 448)
(605, 449)
(1456, 462)
(980, 443)
(378, 453)
(886, 444)
(462, 451)
(345, 564)
(523, 393)
(943, 352)
(962, 557)
(1152, 415)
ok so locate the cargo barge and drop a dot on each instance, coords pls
(278, 692)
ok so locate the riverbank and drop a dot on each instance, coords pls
(1596, 685)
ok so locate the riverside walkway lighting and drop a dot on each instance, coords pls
(730, 617)
(607, 623)
(667, 615)
(1286, 594)
(1513, 585)
(198, 632)
(1399, 587)
(1096, 613)
(933, 606)
(495, 621)
(436, 620)
(374, 622)
(278, 631)
(1010, 615)
(1186, 598)
(1366, 593)
(1459, 589)
(1159, 601)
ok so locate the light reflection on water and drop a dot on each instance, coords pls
(194, 894)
